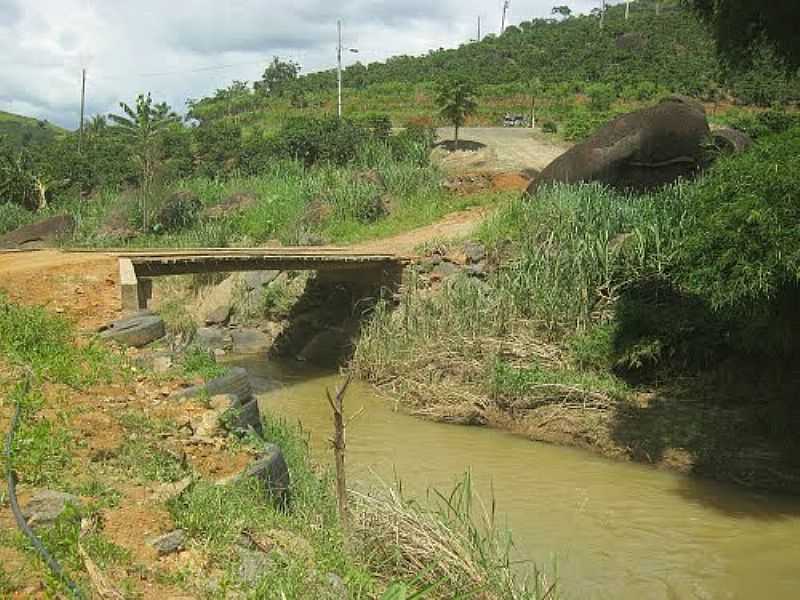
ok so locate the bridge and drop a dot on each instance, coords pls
(138, 268)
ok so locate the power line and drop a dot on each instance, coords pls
(186, 71)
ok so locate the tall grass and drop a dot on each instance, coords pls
(566, 257)
(378, 194)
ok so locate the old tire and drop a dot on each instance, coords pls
(135, 331)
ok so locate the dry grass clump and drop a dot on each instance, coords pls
(442, 545)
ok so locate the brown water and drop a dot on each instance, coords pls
(616, 530)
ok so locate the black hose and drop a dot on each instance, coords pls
(51, 562)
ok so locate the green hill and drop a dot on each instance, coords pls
(571, 63)
(22, 131)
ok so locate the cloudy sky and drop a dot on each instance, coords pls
(175, 48)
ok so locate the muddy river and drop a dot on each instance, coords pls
(614, 530)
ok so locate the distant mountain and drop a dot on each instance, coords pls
(22, 131)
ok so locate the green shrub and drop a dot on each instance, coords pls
(744, 245)
(549, 127)
(179, 211)
(313, 140)
(13, 216)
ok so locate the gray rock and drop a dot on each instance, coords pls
(255, 280)
(445, 269)
(253, 565)
(210, 338)
(236, 382)
(137, 331)
(326, 348)
(42, 234)
(162, 363)
(250, 341)
(219, 316)
(637, 151)
(171, 542)
(271, 469)
(474, 252)
(476, 270)
(47, 505)
(336, 587)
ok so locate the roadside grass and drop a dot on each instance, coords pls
(143, 455)
(31, 338)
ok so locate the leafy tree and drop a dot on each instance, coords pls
(563, 11)
(19, 182)
(143, 127)
(277, 77)
(456, 101)
(740, 25)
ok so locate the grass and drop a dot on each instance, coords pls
(32, 338)
(536, 328)
(376, 195)
(442, 545)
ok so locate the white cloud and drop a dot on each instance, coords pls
(44, 44)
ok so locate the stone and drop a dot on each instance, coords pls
(637, 151)
(42, 234)
(210, 338)
(162, 363)
(235, 382)
(169, 543)
(236, 202)
(255, 280)
(219, 316)
(474, 252)
(336, 587)
(445, 269)
(326, 348)
(476, 270)
(731, 141)
(137, 331)
(271, 470)
(47, 505)
(250, 341)
(253, 565)
(207, 425)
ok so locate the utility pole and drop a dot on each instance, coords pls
(479, 28)
(83, 106)
(506, 5)
(339, 50)
(603, 14)
(627, 9)
(339, 66)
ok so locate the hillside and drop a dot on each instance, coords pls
(564, 63)
(24, 131)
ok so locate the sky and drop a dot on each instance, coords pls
(176, 48)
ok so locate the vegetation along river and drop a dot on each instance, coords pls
(615, 530)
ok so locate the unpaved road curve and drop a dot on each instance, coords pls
(503, 150)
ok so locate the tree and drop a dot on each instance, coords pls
(277, 76)
(739, 26)
(143, 127)
(456, 101)
(563, 11)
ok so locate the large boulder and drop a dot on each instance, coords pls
(638, 151)
(42, 234)
(731, 141)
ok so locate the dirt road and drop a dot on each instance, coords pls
(498, 150)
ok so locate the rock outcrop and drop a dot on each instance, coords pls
(42, 234)
(638, 151)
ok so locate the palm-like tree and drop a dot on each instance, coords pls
(456, 101)
(143, 126)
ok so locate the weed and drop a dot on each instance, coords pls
(198, 363)
(148, 461)
(32, 338)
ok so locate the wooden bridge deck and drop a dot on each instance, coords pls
(137, 268)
